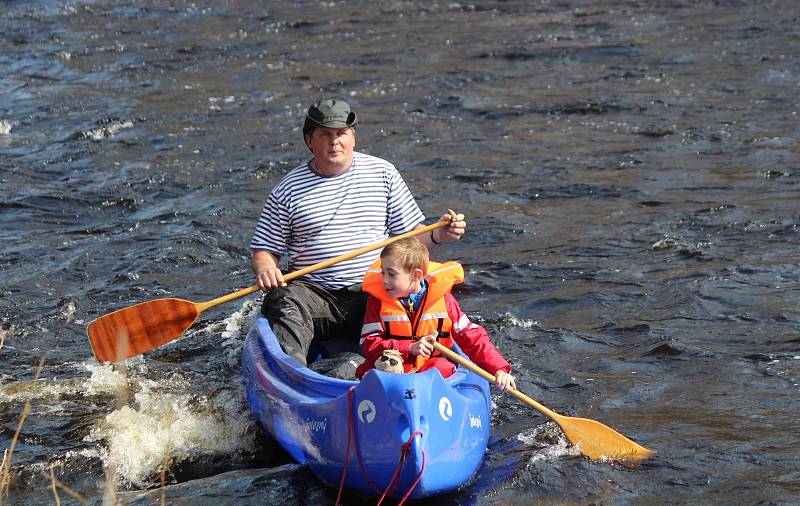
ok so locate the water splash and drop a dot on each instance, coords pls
(519, 322)
(100, 133)
(236, 327)
(549, 443)
(161, 420)
(105, 379)
(41, 389)
(160, 428)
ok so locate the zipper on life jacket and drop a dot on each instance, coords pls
(415, 321)
(417, 313)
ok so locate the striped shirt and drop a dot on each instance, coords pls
(310, 218)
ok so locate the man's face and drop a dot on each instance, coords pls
(332, 148)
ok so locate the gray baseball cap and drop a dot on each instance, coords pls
(332, 113)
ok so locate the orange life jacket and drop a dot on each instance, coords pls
(398, 323)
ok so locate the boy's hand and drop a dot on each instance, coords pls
(504, 381)
(422, 346)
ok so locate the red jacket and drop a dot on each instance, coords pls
(470, 337)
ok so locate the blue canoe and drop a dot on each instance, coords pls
(394, 433)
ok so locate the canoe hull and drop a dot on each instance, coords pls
(441, 426)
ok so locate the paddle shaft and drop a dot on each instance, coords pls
(490, 377)
(594, 439)
(148, 325)
(202, 306)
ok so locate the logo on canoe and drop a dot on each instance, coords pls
(316, 425)
(445, 408)
(475, 422)
(366, 411)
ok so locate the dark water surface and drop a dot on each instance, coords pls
(631, 176)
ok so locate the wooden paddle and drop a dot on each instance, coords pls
(142, 327)
(592, 438)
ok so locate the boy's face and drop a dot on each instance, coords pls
(397, 281)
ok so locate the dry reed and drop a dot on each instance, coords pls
(55, 484)
(5, 470)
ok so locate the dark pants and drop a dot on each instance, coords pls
(303, 311)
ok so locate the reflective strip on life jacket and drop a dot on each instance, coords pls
(432, 315)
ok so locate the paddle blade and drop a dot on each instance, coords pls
(598, 441)
(140, 328)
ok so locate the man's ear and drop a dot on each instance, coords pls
(417, 274)
(305, 138)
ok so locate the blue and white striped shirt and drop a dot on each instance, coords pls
(311, 218)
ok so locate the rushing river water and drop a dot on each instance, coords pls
(631, 176)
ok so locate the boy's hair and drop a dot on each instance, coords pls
(410, 253)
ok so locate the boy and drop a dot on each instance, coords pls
(410, 303)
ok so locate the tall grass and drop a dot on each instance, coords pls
(55, 484)
(8, 454)
(3, 477)
(121, 398)
(3, 472)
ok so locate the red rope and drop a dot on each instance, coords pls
(414, 485)
(347, 451)
(403, 454)
(351, 428)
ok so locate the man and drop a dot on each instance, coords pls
(337, 202)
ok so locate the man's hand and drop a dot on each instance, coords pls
(265, 267)
(454, 231)
(269, 278)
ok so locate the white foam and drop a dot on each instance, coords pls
(68, 310)
(236, 327)
(235, 322)
(113, 128)
(105, 379)
(163, 420)
(160, 420)
(540, 438)
(520, 322)
(158, 428)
